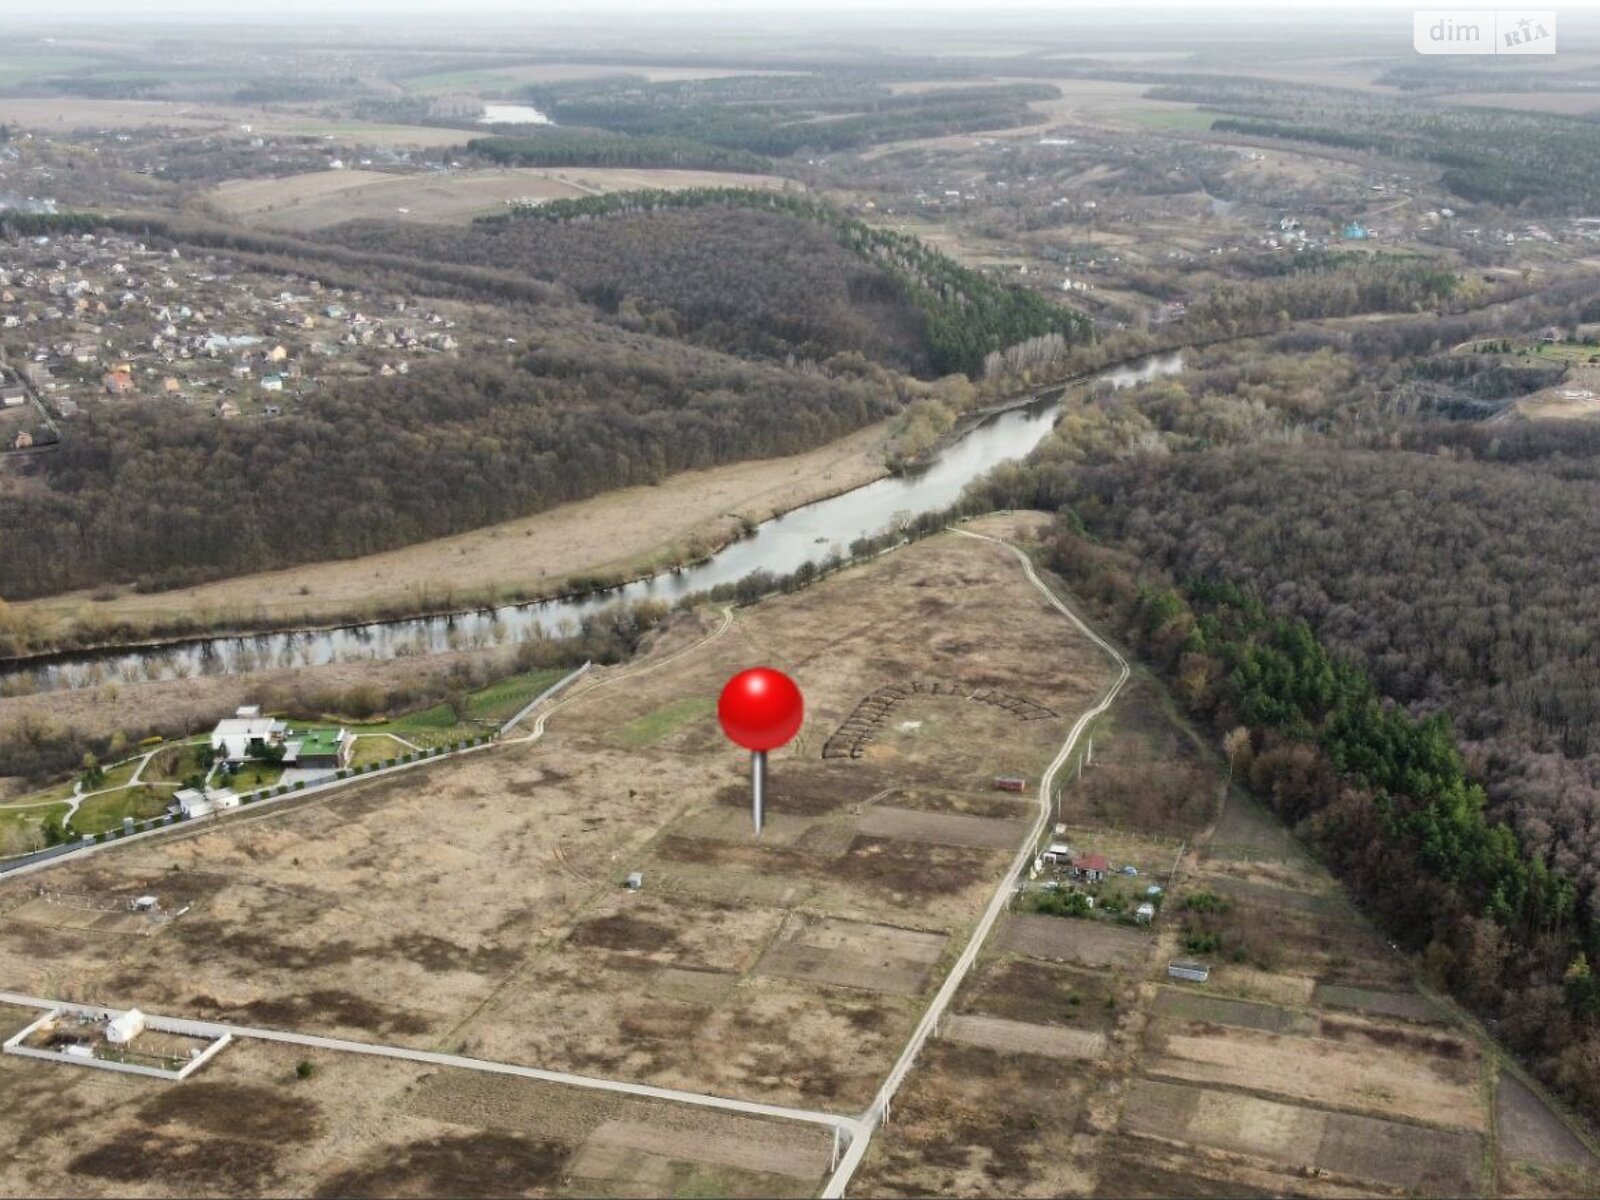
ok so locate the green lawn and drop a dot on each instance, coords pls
(117, 776)
(375, 748)
(176, 762)
(653, 726)
(19, 827)
(489, 706)
(251, 776)
(106, 812)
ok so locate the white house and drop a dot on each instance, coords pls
(245, 733)
(124, 1027)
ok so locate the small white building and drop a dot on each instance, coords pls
(124, 1027)
(1145, 913)
(192, 802)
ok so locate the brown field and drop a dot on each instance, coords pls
(1022, 989)
(1187, 1005)
(303, 203)
(1386, 1152)
(1375, 1070)
(944, 828)
(70, 113)
(1408, 1006)
(973, 1122)
(475, 906)
(874, 958)
(626, 532)
(369, 1127)
(1087, 943)
(1021, 1037)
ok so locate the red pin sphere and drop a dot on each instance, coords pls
(760, 709)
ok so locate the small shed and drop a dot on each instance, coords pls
(1194, 972)
(1010, 783)
(635, 881)
(144, 904)
(1145, 913)
(124, 1027)
(1058, 852)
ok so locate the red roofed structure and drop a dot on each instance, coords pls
(1092, 867)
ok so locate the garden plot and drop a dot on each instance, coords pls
(877, 958)
(1398, 1155)
(1435, 1082)
(1087, 943)
(1022, 1037)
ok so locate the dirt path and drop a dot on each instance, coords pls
(878, 1111)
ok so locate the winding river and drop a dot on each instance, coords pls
(809, 533)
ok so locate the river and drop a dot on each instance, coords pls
(809, 533)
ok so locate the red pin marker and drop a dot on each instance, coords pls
(760, 709)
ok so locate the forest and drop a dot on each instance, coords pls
(966, 315)
(596, 148)
(781, 115)
(170, 497)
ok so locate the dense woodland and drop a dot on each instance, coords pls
(738, 279)
(389, 462)
(596, 148)
(966, 315)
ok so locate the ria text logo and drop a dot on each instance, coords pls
(1483, 31)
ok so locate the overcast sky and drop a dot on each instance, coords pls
(747, 10)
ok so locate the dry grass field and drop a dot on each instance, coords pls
(476, 907)
(361, 1127)
(630, 531)
(303, 203)
(1307, 1066)
(63, 114)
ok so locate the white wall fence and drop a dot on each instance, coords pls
(13, 1045)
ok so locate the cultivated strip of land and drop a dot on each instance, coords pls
(878, 1111)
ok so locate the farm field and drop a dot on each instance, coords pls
(627, 532)
(441, 908)
(1307, 1065)
(302, 203)
(362, 1126)
(71, 113)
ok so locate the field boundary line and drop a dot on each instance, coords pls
(877, 1113)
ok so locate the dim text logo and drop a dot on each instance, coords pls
(1483, 31)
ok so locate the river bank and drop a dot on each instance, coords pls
(566, 552)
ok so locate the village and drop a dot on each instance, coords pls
(88, 319)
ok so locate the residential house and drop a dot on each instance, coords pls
(22, 441)
(117, 383)
(246, 734)
(1091, 868)
(326, 749)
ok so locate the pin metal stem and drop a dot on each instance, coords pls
(758, 787)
